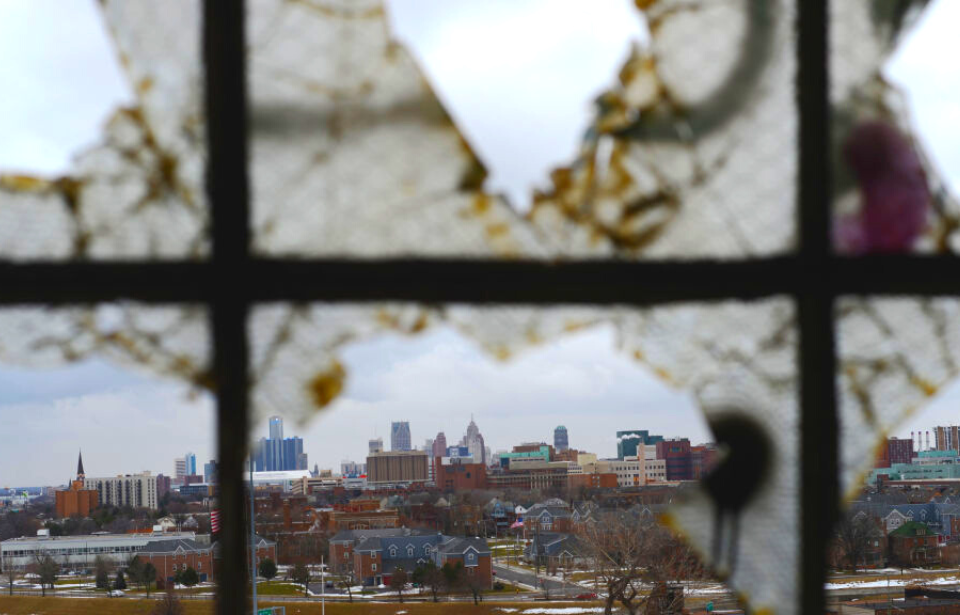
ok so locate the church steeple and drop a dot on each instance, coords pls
(80, 473)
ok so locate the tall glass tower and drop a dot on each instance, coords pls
(561, 441)
(276, 428)
(400, 436)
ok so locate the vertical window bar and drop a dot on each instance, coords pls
(818, 419)
(227, 187)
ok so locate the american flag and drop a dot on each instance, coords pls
(214, 521)
(518, 523)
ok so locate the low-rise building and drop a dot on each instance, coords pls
(914, 544)
(456, 474)
(73, 552)
(176, 555)
(372, 556)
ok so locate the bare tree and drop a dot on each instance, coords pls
(169, 604)
(475, 586)
(347, 580)
(301, 576)
(101, 568)
(853, 536)
(637, 561)
(398, 582)
(47, 569)
(428, 575)
(10, 573)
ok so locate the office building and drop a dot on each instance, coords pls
(561, 440)
(190, 463)
(279, 454)
(703, 458)
(397, 468)
(352, 468)
(210, 472)
(400, 439)
(136, 490)
(460, 474)
(179, 470)
(76, 500)
(678, 457)
(439, 446)
(628, 442)
(375, 446)
(946, 438)
(473, 441)
(276, 428)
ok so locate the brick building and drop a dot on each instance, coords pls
(451, 474)
(76, 500)
(374, 555)
(530, 474)
(894, 450)
(914, 544)
(398, 468)
(676, 453)
(337, 520)
(176, 555)
(703, 458)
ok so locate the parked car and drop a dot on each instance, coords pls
(116, 593)
(589, 596)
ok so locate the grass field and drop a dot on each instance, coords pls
(275, 588)
(107, 606)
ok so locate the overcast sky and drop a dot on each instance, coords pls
(518, 76)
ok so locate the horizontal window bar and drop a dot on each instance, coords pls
(474, 281)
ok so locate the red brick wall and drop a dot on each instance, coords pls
(202, 562)
(461, 477)
(363, 562)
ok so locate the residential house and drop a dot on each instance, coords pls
(914, 544)
(376, 554)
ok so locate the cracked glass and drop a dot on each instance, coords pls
(890, 194)
(689, 153)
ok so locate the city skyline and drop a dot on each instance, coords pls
(75, 417)
(128, 423)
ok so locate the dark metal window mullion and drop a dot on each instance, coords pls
(819, 428)
(228, 189)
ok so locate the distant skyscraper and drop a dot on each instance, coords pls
(440, 445)
(179, 470)
(428, 446)
(400, 436)
(561, 441)
(376, 445)
(276, 453)
(473, 440)
(210, 472)
(628, 441)
(190, 461)
(276, 428)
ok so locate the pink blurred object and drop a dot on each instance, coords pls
(894, 194)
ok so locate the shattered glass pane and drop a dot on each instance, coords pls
(139, 192)
(165, 341)
(895, 355)
(690, 154)
(737, 359)
(888, 194)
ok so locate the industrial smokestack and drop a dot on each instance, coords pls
(913, 441)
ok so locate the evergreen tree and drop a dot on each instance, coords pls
(120, 582)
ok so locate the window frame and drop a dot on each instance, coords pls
(233, 280)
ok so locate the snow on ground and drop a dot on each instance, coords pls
(892, 583)
(569, 610)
